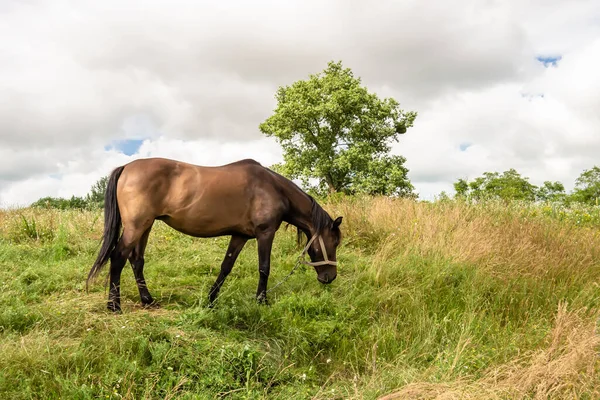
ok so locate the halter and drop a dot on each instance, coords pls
(301, 260)
(326, 260)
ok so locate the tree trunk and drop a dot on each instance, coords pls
(330, 184)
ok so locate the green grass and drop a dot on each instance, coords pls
(443, 295)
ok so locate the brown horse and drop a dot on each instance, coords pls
(244, 200)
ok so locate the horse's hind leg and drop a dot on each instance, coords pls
(265, 244)
(118, 258)
(233, 251)
(137, 264)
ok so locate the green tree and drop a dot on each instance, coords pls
(587, 187)
(334, 131)
(95, 198)
(461, 187)
(61, 203)
(551, 191)
(509, 185)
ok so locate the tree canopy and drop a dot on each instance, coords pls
(587, 186)
(94, 199)
(336, 133)
(509, 185)
(551, 191)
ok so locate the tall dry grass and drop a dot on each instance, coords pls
(567, 368)
(30, 225)
(495, 237)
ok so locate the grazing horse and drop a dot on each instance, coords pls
(243, 200)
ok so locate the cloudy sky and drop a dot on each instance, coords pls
(86, 86)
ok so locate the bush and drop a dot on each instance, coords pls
(61, 204)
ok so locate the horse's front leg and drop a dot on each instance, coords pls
(265, 244)
(236, 244)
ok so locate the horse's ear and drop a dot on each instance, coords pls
(337, 222)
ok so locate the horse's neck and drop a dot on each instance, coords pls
(300, 213)
(300, 209)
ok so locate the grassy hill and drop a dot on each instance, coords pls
(432, 299)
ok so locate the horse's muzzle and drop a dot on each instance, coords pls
(326, 279)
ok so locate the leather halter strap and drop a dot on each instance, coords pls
(326, 260)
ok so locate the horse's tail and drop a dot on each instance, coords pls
(112, 224)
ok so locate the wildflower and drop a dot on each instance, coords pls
(328, 360)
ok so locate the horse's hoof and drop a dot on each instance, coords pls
(262, 300)
(114, 307)
(151, 305)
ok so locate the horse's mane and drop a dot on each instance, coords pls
(320, 217)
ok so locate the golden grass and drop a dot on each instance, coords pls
(35, 224)
(491, 237)
(568, 368)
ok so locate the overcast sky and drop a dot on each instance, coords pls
(86, 86)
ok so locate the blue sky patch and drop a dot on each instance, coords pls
(464, 146)
(128, 146)
(549, 60)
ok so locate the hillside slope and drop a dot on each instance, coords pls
(443, 300)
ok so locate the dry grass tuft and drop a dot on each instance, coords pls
(40, 225)
(569, 367)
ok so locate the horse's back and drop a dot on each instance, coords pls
(156, 165)
(197, 200)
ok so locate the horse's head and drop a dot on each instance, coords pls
(322, 251)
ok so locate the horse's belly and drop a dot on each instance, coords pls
(208, 225)
(209, 206)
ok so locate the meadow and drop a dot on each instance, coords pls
(432, 300)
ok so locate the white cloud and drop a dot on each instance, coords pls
(194, 79)
(554, 137)
(77, 176)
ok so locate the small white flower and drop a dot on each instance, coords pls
(328, 360)
(88, 329)
(303, 377)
